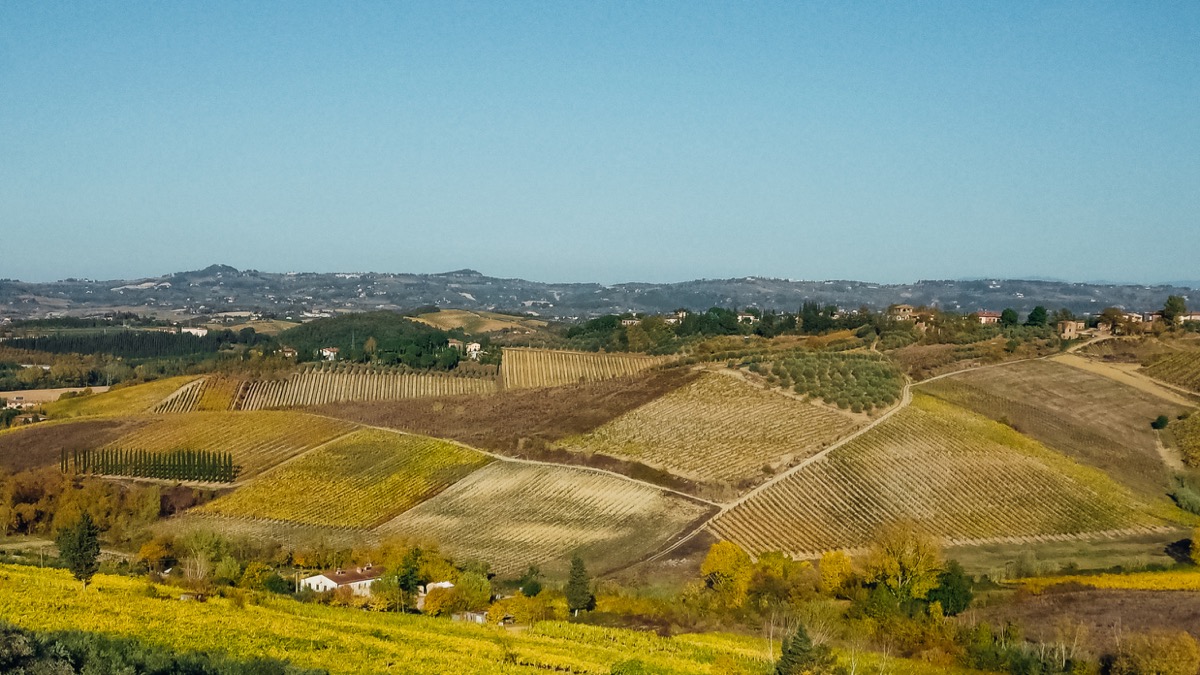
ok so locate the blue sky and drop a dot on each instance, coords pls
(568, 141)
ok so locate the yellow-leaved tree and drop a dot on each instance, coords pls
(727, 570)
(835, 570)
(905, 560)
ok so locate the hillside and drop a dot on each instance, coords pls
(118, 401)
(320, 637)
(533, 368)
(397, 339)
(359, 480)
(514, 515)
(257, 440)
(1091, 418)
(319, 384)
(718, 429)
(958, 474)
(287, 294)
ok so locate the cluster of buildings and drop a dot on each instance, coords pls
(359, 580)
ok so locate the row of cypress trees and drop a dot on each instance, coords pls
(197, 465)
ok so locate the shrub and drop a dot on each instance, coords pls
(1158, 654)
(1160, 422)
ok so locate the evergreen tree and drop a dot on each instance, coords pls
(1038, 317)
(1176, 307)
(800, 655)
(953, 590)
(79, 548)
(1009, 317)
(579, 588)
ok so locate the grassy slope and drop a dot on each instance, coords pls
(322, 637)
(361, 480)
(119, 401)
(962, 476)
(717, 428)
(1090, 418)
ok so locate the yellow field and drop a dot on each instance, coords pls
(130, 400)
(184, 399)
(1182, 370)
(317, 386)
(1171, 580)
(531, 368)
(478, 322)
(1187, 433)
(361, 480)
(718, 428)
(318, 636)
(258, 440)
(959, 475)
(513, 515)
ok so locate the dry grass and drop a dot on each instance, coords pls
(959, 475)
(718, 428)
(1089, 417)
(38, 445)
(1099, 618)
(514, 515)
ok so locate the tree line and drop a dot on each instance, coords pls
(190, 465)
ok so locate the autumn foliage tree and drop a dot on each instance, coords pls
(904, 560)
(727, 570)
(835, 570)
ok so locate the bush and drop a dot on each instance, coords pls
(1158, 654)
(1160, 422)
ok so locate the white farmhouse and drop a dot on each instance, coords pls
(194, 330)
(358, 580)
(473, 350)
(329, 353)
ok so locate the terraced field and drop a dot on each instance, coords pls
(361, 480)
(533, 368)
(183, 399)
(1093, 419)
(958, 474)
(258, 440)
(320, 385)
(717, 428)
(513, 515)
(1181, 370)
(130, 400)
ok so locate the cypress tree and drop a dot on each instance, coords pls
(79, 548)
(579, 588)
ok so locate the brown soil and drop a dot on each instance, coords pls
(42, 444)
(1105, 615)
(526, 423)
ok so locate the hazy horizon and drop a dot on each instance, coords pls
(1191, 283)
(604, 143)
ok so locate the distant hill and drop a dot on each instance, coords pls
(220, 288)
